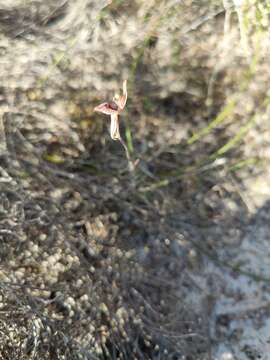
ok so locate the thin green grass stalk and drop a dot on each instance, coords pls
(137, 60)
(236, 139)
(133, 70)
(131, 165)
(155, 186)
(241, 133)
(177, 175)
(3, 142)
(245, 163)
(230, 106)
(221, 117)
(220, 152)
(251, 71)
(129, 139)
(243, 28)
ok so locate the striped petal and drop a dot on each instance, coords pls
(107, 108)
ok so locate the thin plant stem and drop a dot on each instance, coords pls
(130, 163)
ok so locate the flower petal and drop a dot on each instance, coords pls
(121, 100)
(115, 132)
(107, 108)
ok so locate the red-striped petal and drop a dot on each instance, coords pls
(107, 108)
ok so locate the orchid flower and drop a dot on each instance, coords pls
(114, 108)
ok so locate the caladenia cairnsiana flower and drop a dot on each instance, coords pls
(114, 109)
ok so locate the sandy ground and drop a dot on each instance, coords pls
(242, 308)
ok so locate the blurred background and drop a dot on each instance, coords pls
(166, 261)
